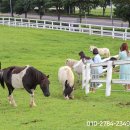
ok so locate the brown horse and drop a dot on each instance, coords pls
(27, 77)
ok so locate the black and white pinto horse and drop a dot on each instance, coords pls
(27, 77)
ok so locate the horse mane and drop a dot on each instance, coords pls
(37, 74)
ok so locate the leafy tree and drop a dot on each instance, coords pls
(0, 4)
(122, 10)
(68, 7)
(85, 6)
(23, 6)
(39, 7)
(7, 6)
(58, 4)
(121, 1)
(103, 4)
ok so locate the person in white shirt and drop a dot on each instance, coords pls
(94, 70)
(97, 59)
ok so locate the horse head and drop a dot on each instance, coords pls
(68, 89)
(44, 85)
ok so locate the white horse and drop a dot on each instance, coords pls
(76, 66)
(102, 51)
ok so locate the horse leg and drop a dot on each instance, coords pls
(31, 92)
(12, 101)
(71, 96)
(78, 75)
(10, 96)
(32, 102)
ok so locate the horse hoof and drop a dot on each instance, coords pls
(10, 102)
(14, 105)
(33, 105)
(71, 97)
(67, 98)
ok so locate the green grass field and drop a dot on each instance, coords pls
(99, 12)
(47, 50)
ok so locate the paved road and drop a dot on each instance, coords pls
(107, 22)
(97, 21)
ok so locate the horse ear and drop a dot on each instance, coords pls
(47, 76)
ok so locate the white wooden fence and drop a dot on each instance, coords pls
(112, 31)
(86, 75)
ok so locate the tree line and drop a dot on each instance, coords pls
(41, 7)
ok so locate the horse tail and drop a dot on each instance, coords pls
(2, 79)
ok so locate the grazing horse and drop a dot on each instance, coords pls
(24, 77)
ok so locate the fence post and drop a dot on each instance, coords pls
(21, 21)
(44, 24)
(101, 30)
(15, 22)
(80, 28)
(90, 29)
(84, 76)
(109, 78)
(69, 27)
(52, 24)
(36, 23)
(60, 25)
(113, 32)
(88, 70)
(125, 34)
(3, 20)
(9, 21)
(29, 23)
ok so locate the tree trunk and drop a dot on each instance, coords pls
(40, 16)
(73, 10)
(58, 16)
(103, 11)
(88, 10)
(12, 14)
(80, 15)
(25, 14)
(58, 12)
(11, 9)
(129, 23)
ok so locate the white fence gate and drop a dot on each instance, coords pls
(86, 75)
(112, 31)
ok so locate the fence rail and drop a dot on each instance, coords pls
(86, 75)
(112, 31)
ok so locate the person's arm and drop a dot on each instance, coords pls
(119, 56)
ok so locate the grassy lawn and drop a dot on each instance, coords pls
(99, 11)
(47, 50)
